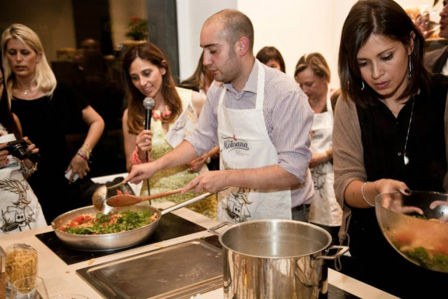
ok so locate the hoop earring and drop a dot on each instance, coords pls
(409, 67)
(362, 85)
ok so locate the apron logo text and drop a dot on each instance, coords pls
(231, 143)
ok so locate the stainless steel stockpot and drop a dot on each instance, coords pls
(275, 259)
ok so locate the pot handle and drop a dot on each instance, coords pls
(214, 229)
(341, 250)
(185, 203)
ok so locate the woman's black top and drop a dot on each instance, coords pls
(46, 121)
(383, 139)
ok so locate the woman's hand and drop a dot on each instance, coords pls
(320, 158)
(3, 155)
(394, 202)
(361, 194)
(79, 166)
(197, 164)
(31, 149)
(144, 143)
(389, 185)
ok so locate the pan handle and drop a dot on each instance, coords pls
(185, 203)
(341, 250)
(214, 229)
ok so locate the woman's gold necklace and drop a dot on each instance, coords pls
(28, 91)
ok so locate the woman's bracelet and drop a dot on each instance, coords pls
(135, 158)
(364, 195)
(84, 157)
(86, 151)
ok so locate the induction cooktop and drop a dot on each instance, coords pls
(177, 271)
(170, 226)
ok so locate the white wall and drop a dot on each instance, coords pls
(298, 27)
(295, 27)
(191, 14)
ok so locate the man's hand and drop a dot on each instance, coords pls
(140, 172)
(211, 181)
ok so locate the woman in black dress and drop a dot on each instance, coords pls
(48, 111)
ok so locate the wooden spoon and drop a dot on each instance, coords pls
(123, 200)
(100, 194)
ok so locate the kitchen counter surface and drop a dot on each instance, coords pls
(62, 278)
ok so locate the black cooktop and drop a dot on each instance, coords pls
(170, 226)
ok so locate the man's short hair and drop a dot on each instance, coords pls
(235, 24)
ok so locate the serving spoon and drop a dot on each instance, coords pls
(123, 200)
(99, 196)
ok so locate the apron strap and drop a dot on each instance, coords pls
(329, 107)
(260, 85)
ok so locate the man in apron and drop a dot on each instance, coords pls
(261, 121)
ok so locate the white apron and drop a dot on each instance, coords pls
(244, 143)
(324, 209)
(19, 208)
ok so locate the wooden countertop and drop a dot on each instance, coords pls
(62, 278)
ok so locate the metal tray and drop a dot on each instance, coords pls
(177, 271)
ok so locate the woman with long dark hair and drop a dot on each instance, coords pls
(389, 135)
(174, 116)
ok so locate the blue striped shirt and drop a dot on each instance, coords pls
(288, 120)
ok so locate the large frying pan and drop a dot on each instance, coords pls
(113, 241)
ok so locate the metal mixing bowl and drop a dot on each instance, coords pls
(416, 226)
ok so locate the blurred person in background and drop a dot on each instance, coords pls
(174, 116)
(48, 111)
(436, 60)
(200, 81)
(272, 58)
(421, 17)
(20, 209)
(313, 75)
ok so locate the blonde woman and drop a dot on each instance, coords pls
(48, 111)
(313, 75)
